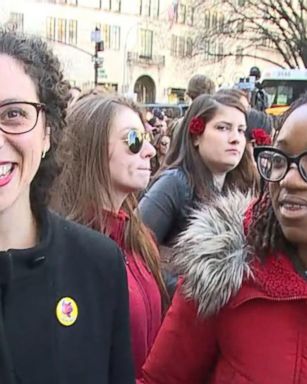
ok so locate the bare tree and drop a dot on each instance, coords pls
(252, 28)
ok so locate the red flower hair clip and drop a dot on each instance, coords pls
(261, 137)
(197, 126)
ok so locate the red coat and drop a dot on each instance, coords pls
(259, 336)
(144, 297)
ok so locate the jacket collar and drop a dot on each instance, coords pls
(212, 254)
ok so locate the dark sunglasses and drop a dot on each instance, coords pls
(135, 140)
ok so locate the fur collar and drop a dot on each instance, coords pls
(212, 254)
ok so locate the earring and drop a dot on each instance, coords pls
(43, 154)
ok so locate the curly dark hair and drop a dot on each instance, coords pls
(265, 234)
(44, 68)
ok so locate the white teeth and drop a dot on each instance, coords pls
(293, 206)
(5, 169)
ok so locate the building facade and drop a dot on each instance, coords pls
(147, 44)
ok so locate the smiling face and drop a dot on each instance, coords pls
(129, 172)
(289, 196)
(222, 144)
(20, 155)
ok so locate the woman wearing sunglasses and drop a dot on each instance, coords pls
(108, 155)
(240, 313)
(207, 157)
(63, 292)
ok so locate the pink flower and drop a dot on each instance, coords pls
(197, 126)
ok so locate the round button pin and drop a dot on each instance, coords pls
(67, 311)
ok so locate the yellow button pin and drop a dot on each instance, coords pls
(67, 311)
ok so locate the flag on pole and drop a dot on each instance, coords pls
(173, 12)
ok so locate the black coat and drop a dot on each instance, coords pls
(70, 262)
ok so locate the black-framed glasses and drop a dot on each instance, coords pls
(18, 117)
(135, 140)
(273, 164)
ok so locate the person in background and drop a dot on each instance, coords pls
(197, 85)
(241, 95)
(208, 157)
(108, 153)
(259, 129)
(63, 288)
(239, 315)
(162, 146)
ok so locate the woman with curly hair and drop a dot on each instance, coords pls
(239, 314)
(63, 292)
(107, 155)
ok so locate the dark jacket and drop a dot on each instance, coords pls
(80, 266)
(235, 320)
(165, 206)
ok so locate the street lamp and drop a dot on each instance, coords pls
(99, 47)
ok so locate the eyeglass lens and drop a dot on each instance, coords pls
(273, 166)
(18, 117)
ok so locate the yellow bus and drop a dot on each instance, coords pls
(283, 86)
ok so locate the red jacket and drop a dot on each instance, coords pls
(251, 326)
(144, 296)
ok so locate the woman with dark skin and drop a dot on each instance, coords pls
(239, 315)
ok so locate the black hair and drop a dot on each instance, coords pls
(44, 69)
(265, 234)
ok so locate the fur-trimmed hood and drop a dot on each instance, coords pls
(212, 254)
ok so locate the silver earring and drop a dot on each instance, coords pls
(43, 154)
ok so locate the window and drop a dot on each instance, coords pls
(220, 52)
(181, 46)
(115, 5)
(61, 29)
(17, 20)
(239, 55)
(240, 26)
(115, 38)
(181, 15)
(190, 16)
(212, 54)
(50, 28)
(189, 47)
(174, 45)
(155, 8)
(72, 32)
(207, 19)
(106, 36)
(214, 21)
(145, 8)
(146, 41)
(221, 23)
(110, 36)
(206, 49)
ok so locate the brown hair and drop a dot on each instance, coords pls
(265, 234)
(183, 153)
(83, 189)
(200, 84)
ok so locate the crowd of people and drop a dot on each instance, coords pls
(138, 248)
